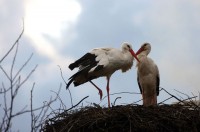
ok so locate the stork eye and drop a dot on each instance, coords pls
(145, 44)
(129, 46)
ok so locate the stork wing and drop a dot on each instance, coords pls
(91, 63)
(138, 80)
(157, 81)
(85, 60)
(101, 58)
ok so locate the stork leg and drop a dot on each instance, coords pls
(154, 99)
(100, 91)
(107, 88)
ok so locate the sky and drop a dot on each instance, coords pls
(58, 32)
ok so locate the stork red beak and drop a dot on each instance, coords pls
(139, 51)
(133, 54)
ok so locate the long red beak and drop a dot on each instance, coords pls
(139, 51)
(133, 54)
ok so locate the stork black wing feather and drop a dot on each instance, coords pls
(82, 71)
(84, 61)
(157, 84)
(138, 80)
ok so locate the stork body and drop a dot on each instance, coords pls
(102, 62)
(147, 76)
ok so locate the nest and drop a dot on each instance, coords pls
(166, 118)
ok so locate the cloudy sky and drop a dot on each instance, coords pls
(58, 32)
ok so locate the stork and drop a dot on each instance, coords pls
(101, 62)
(147, 76)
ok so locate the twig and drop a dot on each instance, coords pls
(77, 104)
(116, 100)
(5, 73)
(119, 93)
(27, 77)
(171, 94)
(182, 93)
(23, 66)
(13, 62)
(13, 44)
(165, 100)
(66, 84)
(57, 94)
(137, 101)
(32, 114)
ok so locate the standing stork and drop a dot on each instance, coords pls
(147, 76)
(102, 62)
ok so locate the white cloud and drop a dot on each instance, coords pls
(50, 18)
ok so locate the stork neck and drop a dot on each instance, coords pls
(142, 54)
(142, 57)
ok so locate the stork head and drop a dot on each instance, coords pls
(127, 47)
(145, 48)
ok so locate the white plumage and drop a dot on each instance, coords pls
(148, 76)
(102, 62)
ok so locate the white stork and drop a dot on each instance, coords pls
(102, 62)
(147, 76)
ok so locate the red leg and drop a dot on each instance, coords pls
(100, 91)
(107, 88)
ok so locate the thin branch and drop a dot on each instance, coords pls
(28, 76)
(23, 66)
(17, 86)
(6, 74)
(62, 75)
(13, 62)
(57, 94)
(4, 89)
(28, 111)
(171, 94)
(32, 114)
(137, 101)
(165, 100)
(66, 84)
(13, 44)
(116, 100)
(182, 93)
(77, 104)
(39, 108)
(119, 93)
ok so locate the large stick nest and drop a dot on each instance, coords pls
(168, 118)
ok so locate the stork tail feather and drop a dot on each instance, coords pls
(72, 66)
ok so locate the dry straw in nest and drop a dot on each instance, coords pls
(127, 118)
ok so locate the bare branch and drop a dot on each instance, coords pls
(165, 100)
(13, 62)
(171, 95)
(4, 89)
(66, 84)
(28, 76)
(77, 104)
(6, 74)
(57, 94)
(23, 66)
(13, 44)
(119, 93)
(32, 114)
(116, 100)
